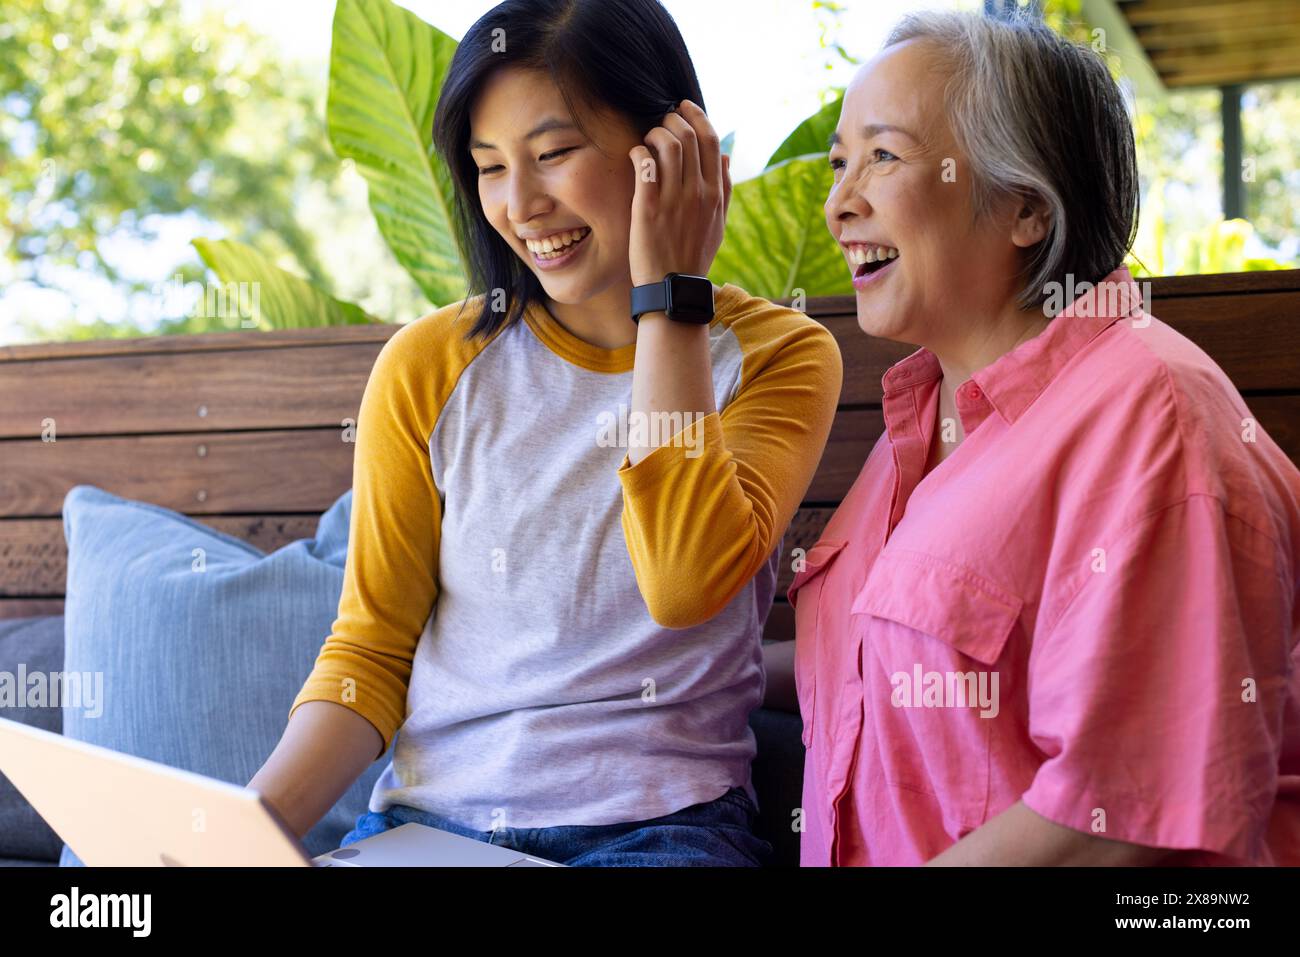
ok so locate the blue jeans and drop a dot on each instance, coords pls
(716, 833)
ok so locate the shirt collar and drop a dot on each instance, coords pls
(1012, 382)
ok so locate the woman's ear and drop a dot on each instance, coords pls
(1031, 223)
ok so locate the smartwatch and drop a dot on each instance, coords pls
(682, 297)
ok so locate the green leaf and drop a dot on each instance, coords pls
(279, 299)
(811, 135)
(776, 239)
(386, 68)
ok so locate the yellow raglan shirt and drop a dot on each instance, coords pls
(530, 609)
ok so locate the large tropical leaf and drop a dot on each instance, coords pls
(810, 136)
(386, 69)
(776, 239)
(282, 300)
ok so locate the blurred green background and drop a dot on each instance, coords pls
(153, 151)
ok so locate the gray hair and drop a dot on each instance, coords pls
(1039, 115)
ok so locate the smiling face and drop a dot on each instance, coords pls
(561, 200)
(902, 186)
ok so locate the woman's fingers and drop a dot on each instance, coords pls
(646, 193)
(692, 183)
(667, 150)
(709, 145)
(682, 192)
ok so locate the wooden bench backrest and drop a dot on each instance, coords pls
(244, 430)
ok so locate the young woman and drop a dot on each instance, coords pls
(559, 608)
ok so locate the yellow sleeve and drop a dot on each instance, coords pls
(390, 575)
(698, 527)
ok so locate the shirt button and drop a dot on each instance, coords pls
(974, 392)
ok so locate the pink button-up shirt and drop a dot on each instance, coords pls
(1090, 606)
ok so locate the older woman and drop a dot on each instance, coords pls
(1054, 619)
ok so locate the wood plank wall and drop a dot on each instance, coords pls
(245, 431)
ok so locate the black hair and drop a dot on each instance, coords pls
(623, 55)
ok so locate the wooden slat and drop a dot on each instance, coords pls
(1224, 284)
(1221, 40)
(274, 471)
(30, 607)
(1210, 42)
(294, 388)
(853, 434)
(866, 359)
(1229, 30)
(1214, 76)
(201, 342)
(1255, 339)
(1247, 57)
(224, 473)
(205, 391)
(1189, 11)
(1280, 417)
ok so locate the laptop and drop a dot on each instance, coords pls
(118, 810)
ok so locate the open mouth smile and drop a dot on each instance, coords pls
(559, 249)
(871, 262)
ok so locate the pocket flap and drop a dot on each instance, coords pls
(817, 558)
(934, 596)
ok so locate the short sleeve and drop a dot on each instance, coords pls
(390, 577)
(1157, 696)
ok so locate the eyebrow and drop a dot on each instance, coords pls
(870, 130)
(546, 126)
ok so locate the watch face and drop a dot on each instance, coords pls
(692, 297)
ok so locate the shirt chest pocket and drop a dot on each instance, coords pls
(804, 594)
(933, 686)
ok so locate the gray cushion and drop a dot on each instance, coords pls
(36, 645)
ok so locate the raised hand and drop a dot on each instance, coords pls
(683, 189)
